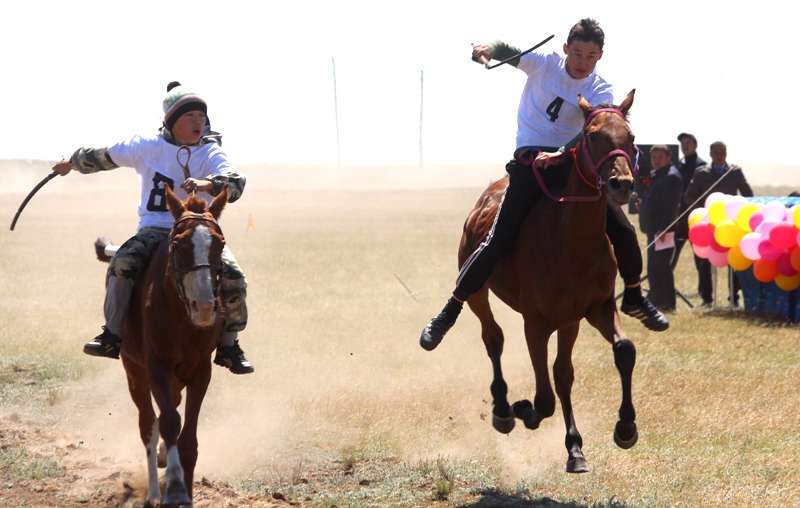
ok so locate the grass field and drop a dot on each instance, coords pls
(345, 408)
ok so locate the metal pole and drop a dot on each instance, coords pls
(336, 113)
(421, 89)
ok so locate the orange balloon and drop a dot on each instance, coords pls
(737, 260)
(765, 270)
(788, 283)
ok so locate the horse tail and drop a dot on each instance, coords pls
(104, 249)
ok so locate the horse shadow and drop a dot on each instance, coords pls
(493, 499)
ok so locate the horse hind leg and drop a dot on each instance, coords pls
(492, 335)
(564, 376)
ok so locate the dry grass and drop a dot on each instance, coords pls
(345, 409)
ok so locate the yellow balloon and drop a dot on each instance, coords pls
(716, 212)
(696, 216)
(796, 215)
(728, 233)
(743, 217)
(788, 283)
(737, 260)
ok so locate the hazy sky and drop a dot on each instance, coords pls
(92, 73)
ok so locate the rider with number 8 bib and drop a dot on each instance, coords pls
(549, 117)
(157, 162)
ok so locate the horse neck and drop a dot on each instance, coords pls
(582, 182)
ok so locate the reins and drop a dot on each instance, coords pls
(594, 167)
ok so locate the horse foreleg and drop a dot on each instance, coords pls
(492, 335)
(187, 442)
(544, 402)
(606, 320)
(564, 376)
(169, 424)
(148, 425)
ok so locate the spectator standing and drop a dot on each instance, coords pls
(719, 176)
(658, 211)
(688, 164)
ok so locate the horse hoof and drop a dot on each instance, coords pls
(625, 444)
(504, 425)
(577, 465)
(523, 409)
(176, 495)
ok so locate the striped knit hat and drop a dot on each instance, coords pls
(180, 100)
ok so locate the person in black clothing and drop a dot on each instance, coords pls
(719, 176)
(658, 211)
(688, 164)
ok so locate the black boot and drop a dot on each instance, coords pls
(636, 305)
(433, 334)
(233, 358)
(106, 344)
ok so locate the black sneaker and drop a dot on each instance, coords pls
(433, 334)
(106, 344)
(644, 311)
(233, 358)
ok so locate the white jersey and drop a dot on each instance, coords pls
(549, 115)
(155, 162)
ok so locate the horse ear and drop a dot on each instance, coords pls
(627, 103)
(174, 204)
(219, 203)
(584, 105)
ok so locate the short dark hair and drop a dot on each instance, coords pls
(718, 143)
(587, 30)
(662, 148)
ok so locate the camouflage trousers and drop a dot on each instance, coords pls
(131, 259)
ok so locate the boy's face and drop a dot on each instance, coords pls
(688, 147)
(659, 158)
(188, 129)
(582, 57)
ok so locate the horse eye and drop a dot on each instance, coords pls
(593, 137)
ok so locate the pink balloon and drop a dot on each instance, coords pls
(701, 252)
(755, 220)
(784, 264)
(733, 205)
(718, 259)
(766, 225)
(767, 250)
(775, 210)
(749, 245)
(701, 233)
(784, 235)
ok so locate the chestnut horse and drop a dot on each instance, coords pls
(171, 329)
(560, 270)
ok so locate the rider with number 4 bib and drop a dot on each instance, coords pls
(549, 117)
(155, 159)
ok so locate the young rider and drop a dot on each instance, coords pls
(156, 160)
(549, 117)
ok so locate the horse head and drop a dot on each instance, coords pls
(195, 254)
(606, 147)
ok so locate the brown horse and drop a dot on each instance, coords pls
(171, 330)
(560, 270)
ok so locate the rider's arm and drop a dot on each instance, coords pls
(499, 50)
(92, 160)
(225, 172)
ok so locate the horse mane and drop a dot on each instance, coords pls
(195, 204)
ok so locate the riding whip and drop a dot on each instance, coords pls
(489, 67)
(28, 198)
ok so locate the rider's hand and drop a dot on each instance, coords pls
(543, 158)
(480, 51)
(194, 185)
(62, 168)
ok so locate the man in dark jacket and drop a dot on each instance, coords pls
(658, 212)
(688, 164)
(719, 176)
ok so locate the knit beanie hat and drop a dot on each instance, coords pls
(180, 100)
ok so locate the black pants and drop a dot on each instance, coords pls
(659, 273)
(521, 195)
(704, 284)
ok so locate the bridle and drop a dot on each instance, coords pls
(177, 273)
(594, 167)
